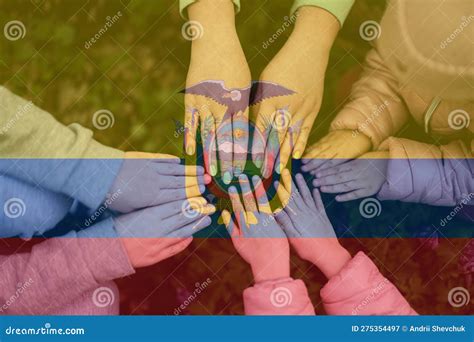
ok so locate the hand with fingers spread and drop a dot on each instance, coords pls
(156, 233)
(286, 121)
(358, 178)
(307, 226)
(147, 180)
(217, 90)
(334, 149)
(256, 236)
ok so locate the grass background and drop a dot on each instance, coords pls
(135, 70)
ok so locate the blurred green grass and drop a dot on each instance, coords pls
(138, 66)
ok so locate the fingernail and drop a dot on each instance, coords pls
(202, 189)
(200, 170)
(258, 162)
(297, 154)
(316, 182)
(190, 150)
(207, 179)
(299, 176)
(227, 177)
(286, 172)
(232, 189)
(255, 179)
(213, 170)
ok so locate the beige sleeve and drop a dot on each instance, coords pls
(375, 107)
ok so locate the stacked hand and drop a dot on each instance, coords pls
(217, 63)
(255, 234)
(218, 91)
(164, 207)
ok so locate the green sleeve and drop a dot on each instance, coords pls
(185, 3)
(27, 131)
(339, 8)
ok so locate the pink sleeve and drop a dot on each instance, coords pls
(360, 289)
(278, 297)
(58, 273)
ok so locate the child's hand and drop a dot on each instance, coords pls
(362, 177)
(256, 236)
(147, 179)
(307, 226)
(299, 66)
(335, 148)
(217, 56)
(154, 234)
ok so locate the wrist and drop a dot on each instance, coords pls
(270, 272)
(334, 260)
(317, 26)
(213, 15)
